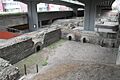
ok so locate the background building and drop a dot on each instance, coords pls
(42, 7)
(1, 7)
(11, 6)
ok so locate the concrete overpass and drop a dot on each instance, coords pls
(90, 10)
(32, 10)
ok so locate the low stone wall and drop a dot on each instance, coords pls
(91, 37)
(7, 71)
(17, 51)
(72, 29)
(52, 37)
(104, 41)
(22, 46)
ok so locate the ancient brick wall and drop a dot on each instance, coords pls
(52, 37)
(22, 46)
(103, 39)
(17, 51)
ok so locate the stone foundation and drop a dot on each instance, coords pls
(17, 51)
(52, 37)
(21, 47)
(91, 37)
(73, 28)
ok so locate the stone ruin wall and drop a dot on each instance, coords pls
(52, 37)
(13, 53)
(91, 37)
(17, 51)
(72, 28)
(21, 47)
(25, 45)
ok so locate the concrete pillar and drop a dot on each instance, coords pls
(32, 16)
(98, 12)
(90, 15)
(75, 12)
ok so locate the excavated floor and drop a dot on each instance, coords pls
(86, 52)
(79, 71)
(70, 60)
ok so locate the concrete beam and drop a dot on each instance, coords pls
(84, 1)
(32, 16)
(58, 2)
(90, 15)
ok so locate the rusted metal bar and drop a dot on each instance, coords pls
(25, 69)
(37, 68)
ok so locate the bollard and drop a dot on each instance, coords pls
(25, 69)
(37, 68)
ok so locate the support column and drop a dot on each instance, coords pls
(32, 16)
(90, 15)
(75, 12)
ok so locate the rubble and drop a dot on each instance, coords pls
(8, 71)
(68, 23)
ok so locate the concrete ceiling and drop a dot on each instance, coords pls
(58, 2)
(98, 1)
(101, 3)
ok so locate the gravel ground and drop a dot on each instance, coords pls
(70, 60)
